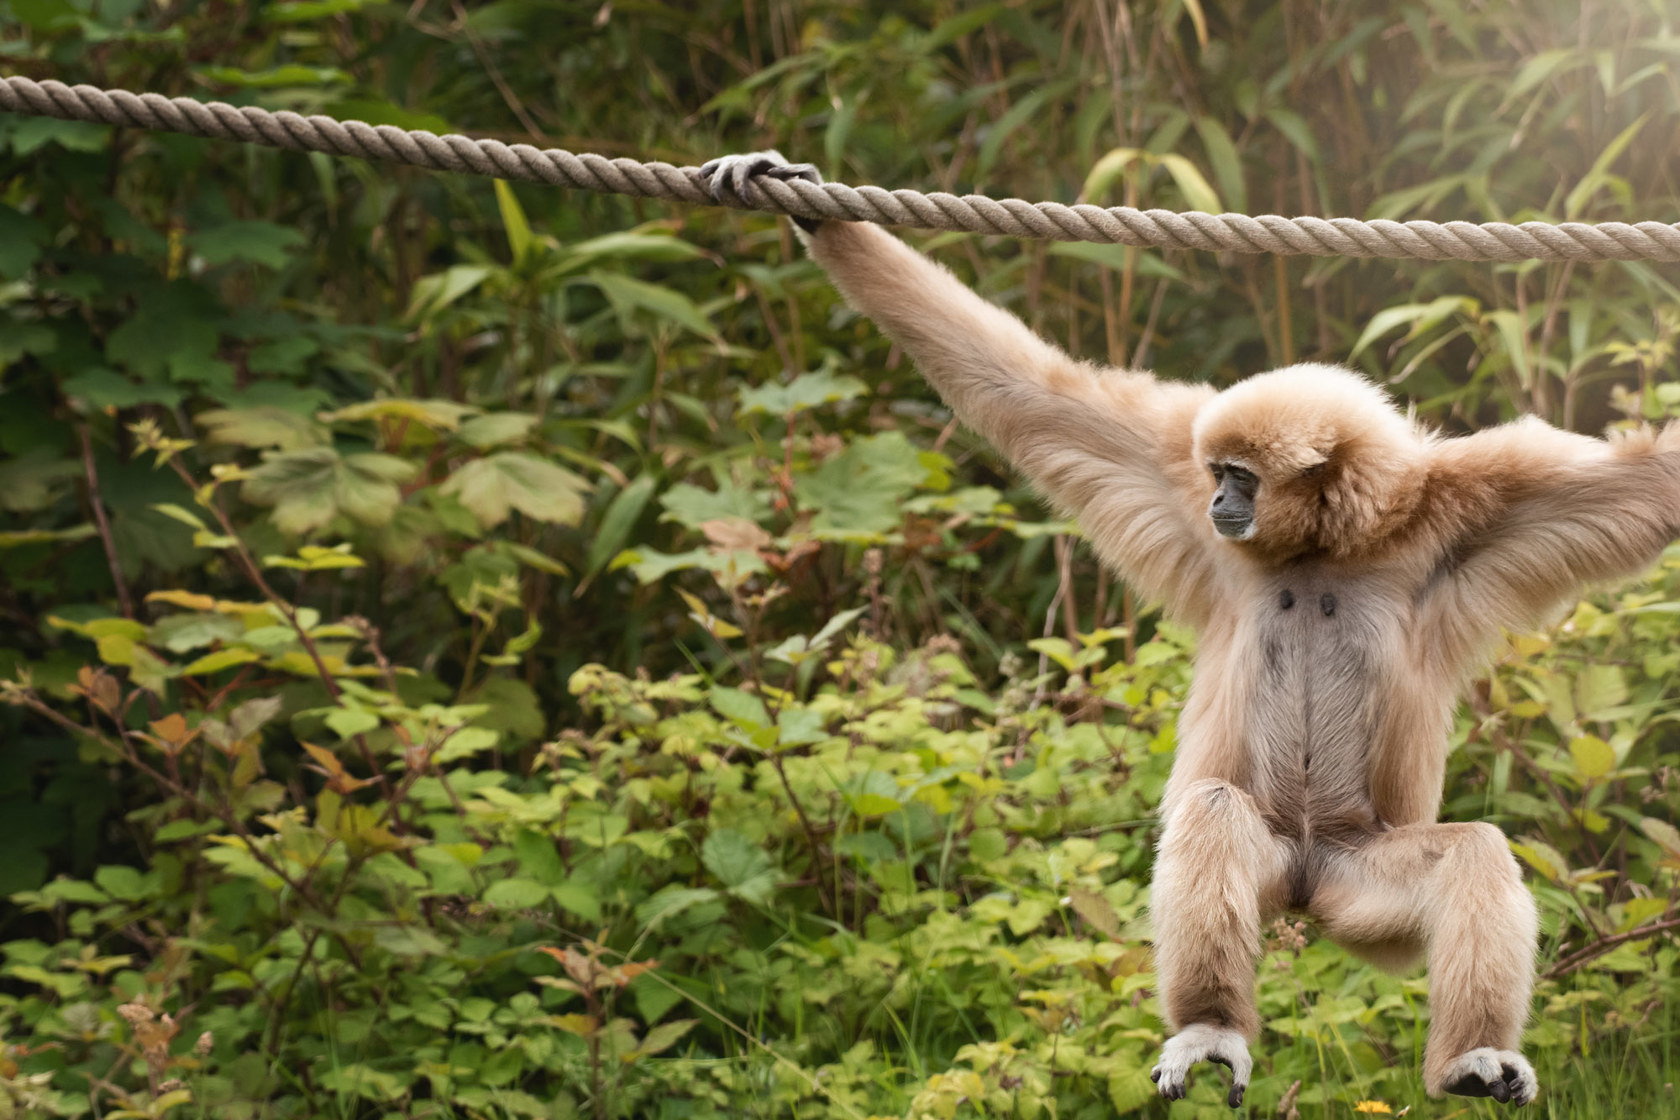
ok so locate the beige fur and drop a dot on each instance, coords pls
(1312, 745)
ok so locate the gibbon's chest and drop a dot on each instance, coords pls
(1323, 648)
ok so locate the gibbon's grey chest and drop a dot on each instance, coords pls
(1314, 697)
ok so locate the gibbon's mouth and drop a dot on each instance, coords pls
(1234, 528)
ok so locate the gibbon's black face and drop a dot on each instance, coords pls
(1232, 508)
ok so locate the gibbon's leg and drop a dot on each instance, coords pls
(1455, 892)
(1217, 869)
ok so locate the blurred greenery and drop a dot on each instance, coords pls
(492, 652)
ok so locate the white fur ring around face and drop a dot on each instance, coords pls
(1200, 1042)
(1503, 1075)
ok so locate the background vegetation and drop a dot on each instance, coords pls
(508, 653)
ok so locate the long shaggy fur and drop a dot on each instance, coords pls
(1334, 642)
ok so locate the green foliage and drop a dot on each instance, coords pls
(484, 651)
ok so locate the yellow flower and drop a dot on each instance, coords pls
(1373, 1106)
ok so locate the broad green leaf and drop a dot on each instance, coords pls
(1016, 117)
(261, 427)
(1198, 194)
(670, 901)
(1096, 910)
(173, 326)
(263, 243)
(279, 76)
(513, 221)
(183, 632)
(467, 742)
(311, 486)
(18, 338)
(740, 865)
(32, 481)
(44, 15)
(1131, 1091)
(796, 726)
(539, 859)
(650, 565)
(616, 524)
(434, 293)
(32, 133)
(494, 428)
(104, 388)
(807, 391)
(1421, 316)
(1226, 163)
(357, 1079)
(741, 708)
(221, 659)
(693, 506)
(438, 415)
(859, 490)
(1296, 130)
(316, 558)
(22, 537)
(125, 883)
(621, 246)
(628, 295)
(516, 894)
(347, 723)
(1599, 691)
(494, 486)
(1575, 203)
(184, 516)
(1665, 834)
(664, 1036)
(1107, 171)
(21, 238)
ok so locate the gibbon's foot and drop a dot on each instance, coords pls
(729, 175)
(1200, 1042)
(1503, 1075)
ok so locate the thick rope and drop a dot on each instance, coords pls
(1122, 225)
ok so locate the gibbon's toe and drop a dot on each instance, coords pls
(1503, 1075)
(1200, 1042)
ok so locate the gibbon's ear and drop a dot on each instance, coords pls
(1340, 468)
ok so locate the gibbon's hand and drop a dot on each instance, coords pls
(1501, 1074)
(1200, 1042)
(729, 176)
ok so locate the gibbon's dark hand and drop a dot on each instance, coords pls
(729, 174)
(1201, 1042)
(1501, 1074)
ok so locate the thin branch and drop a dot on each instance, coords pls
(97, 503)
(1604, 944)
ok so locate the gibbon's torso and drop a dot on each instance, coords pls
(1331, 685)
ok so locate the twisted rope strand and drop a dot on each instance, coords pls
(1119, 225)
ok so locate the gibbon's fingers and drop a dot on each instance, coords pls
(1201, 1042)
(728, 175)
(1501, 1074)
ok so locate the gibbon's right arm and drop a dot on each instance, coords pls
(1558, 513)
(1110, 446)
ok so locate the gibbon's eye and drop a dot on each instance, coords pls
(1218, 470)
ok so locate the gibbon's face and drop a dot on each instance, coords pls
(1232, 508)
(1309, 458)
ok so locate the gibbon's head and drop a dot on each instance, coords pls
(1310, 458)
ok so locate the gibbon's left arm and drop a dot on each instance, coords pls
(1112, 447)
(1547, 513)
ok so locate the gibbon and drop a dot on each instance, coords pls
(1347, 571)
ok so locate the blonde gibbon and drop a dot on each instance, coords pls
(1347, 571)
